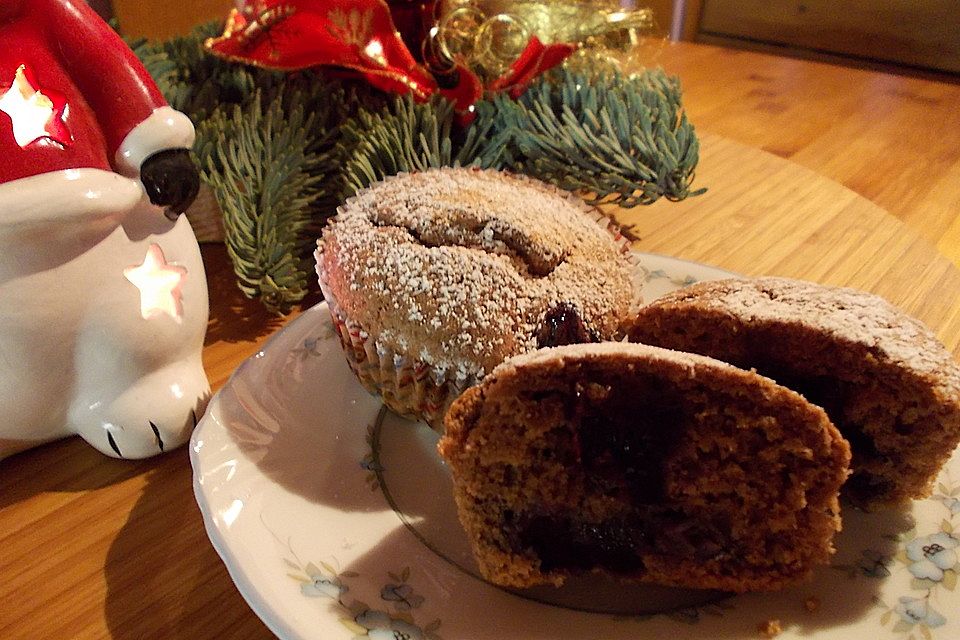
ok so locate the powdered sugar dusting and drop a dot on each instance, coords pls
(845, 314)
(602, 350)
(461, 265)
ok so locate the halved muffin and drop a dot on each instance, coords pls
(884, 379)
(646, 464)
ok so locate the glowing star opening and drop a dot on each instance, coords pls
(160, 285)
(35, 115)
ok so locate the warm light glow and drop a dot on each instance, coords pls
(374, 48)
(32, 112)
(160, 284)
(374, 51)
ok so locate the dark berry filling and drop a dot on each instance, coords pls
(561, 543)
(625, 436)
(621, 436)
(562, 325)
(827, 392)
(618, 544)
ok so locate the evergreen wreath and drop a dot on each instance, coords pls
(282, 150)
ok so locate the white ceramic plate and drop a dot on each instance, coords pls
(335, 520)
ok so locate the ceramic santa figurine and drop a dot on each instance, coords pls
(103, 299)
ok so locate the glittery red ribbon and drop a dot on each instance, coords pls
(532, 61)
(360, 35)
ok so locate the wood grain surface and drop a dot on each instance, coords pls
(764, 215)
(92, 547)
(893, 139)
(156, 19)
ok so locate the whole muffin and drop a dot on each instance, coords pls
(884, 379)
(434, 278)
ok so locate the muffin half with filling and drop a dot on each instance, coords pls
(645, 464)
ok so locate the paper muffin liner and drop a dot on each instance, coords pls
(625, 247)
(409, 387)
(416, 389)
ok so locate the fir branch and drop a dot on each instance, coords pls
(198, 83)
(267, 167)
(410, 136)
(266, 179)
(625, 141)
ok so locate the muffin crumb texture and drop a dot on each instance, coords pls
(884, 379)
(644, 464)
(434, 278)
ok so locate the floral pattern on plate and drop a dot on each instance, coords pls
(933, 562)
(360, 618)
(392, 619)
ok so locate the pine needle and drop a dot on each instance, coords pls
(624, 141)
(408, 136)
(264, 175)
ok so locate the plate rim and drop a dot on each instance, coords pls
(260, 606)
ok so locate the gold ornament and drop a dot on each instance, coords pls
(487, 35)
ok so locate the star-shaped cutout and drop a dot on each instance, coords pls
(35, 115)
(160, 284)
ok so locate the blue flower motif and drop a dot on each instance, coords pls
(381, 626)
(311, 347)
(932, 555)
(320, 586)
(918, 610)
(951, 503)
(403, 595)
(654, 275)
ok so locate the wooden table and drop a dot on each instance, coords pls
(894, 140)
(92, 547)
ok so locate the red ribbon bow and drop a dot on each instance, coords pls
(360, 35)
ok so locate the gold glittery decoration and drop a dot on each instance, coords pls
(487, 35)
